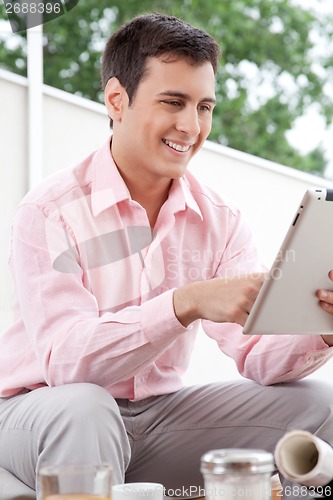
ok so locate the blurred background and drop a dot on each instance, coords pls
(276, 74)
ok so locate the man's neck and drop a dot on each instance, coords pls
(151, 199)
(148, 190)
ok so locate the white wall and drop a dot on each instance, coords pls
(13, 175)
(267, 193)
(71, 130)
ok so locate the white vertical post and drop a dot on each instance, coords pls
(35, 104)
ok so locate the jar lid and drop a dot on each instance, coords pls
(235, 461)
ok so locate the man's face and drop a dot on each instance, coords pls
(167, 122)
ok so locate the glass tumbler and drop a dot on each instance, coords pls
(76, 482)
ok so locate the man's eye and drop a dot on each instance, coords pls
(205, 107)
(173, 103)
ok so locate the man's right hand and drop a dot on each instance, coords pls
(219, 299)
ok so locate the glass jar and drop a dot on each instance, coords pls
(237, 474)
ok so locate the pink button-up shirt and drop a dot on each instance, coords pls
(94, 287)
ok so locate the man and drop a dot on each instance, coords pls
(107, 309)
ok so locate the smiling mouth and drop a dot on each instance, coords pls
(175, 146)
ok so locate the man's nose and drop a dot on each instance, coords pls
(188, 122)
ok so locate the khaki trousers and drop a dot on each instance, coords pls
(159, 439)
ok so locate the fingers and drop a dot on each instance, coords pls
(326, 306)
(253, 287)
(241, 318)
(326, 299)
(245, 290)
(219, 300)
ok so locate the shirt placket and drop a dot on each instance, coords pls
(152, 276)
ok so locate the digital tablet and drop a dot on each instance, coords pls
(287, 302)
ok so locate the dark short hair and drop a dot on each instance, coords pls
(153, 35)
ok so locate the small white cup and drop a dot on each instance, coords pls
(138, 491)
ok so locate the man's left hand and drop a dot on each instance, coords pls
(326, 303)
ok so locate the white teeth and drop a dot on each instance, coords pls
(175, 146)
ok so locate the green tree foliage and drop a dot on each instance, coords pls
(270, 73)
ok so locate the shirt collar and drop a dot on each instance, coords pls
(188, 196)
(181, 198)
(108, 187)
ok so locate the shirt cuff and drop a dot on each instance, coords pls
(159, 321)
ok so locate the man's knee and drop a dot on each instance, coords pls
(80, 406)
(312, 394)
(77, 410)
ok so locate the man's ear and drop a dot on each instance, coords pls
(115, 97)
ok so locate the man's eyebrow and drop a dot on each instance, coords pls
(182, 95)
